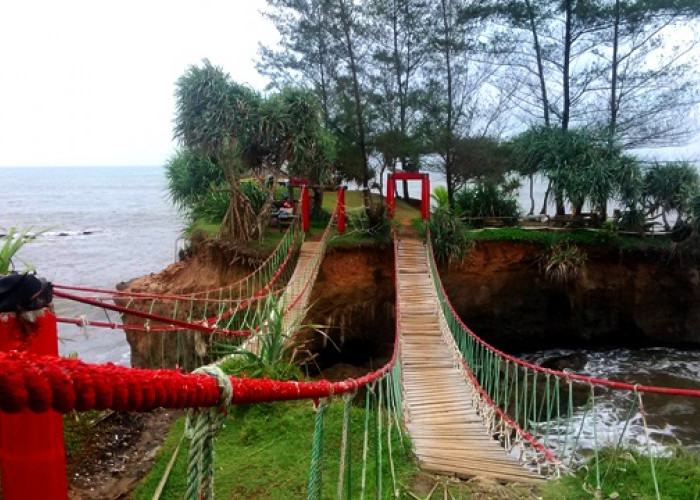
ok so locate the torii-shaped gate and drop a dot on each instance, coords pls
(408, 176)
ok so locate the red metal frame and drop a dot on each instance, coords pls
(408, 176)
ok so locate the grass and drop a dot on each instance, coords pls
(353, 199)
(580, 236)
(264, 451)
(628, 474)
(78, 428)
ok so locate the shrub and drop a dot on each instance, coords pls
(562, 262)
(371, 222)
(486, 199)
(449, 236)
(12, 244)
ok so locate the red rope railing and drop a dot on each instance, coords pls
(194, 296)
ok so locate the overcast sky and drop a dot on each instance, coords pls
(90, 82)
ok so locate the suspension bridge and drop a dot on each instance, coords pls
(470, 409)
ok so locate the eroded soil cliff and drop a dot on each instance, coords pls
(628, 298)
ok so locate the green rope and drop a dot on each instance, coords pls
(201, 427)
(378, 446)
(595, 439)
(389, 423)
(649, 450)
(315, 473)
(632, 407)
(344, 466)
(365, 443)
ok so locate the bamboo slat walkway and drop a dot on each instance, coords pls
(448, 436)
(297, 285)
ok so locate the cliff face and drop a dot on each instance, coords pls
(353, 304)
(214, 265)
(619, 298)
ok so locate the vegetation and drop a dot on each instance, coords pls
(562, 262)
(579, 237)
(221, 123)
(487, 199)
(670, 187)
(406, 82)
(14, 240)
(264, 451)
(273, 356)
(628, 474)
(449, 236)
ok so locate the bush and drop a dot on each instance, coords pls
(212, 205)
(486, 199)
(562, 262)
(371, 222)
(449, 236)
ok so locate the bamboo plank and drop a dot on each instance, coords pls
(447, 434)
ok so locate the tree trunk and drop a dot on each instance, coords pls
(614, 105)
(352, 66)
(540, 65)
(448, 125)
(532, 194)
(546, 198)
(568, 40)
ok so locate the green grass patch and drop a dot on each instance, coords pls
(78, 428)
(353, 199)
(264, 451)
(628, 474)
(579, 236)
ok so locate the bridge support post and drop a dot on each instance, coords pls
(425, 198)
(305, 208)
(390, 195)
(32, 453)
(341, 210)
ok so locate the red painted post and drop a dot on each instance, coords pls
(341, 210)
(425, 202)
(305, 208)
(32, 453)
(390, 196)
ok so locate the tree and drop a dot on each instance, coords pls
(670, 187)
(399, 35)
(212, 115)
(190, 175)
(459, 98)
(480, 159)
(581, 165)
(237, 131)
(649, 80)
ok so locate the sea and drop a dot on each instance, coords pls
(104, 225)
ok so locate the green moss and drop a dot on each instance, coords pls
(264, 451)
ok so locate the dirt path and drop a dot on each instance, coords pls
(118, 455)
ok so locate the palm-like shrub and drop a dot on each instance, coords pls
(670, 187)
(14, 240)
(449, 236)
(486, 199)
(562, 262)
(271, 354)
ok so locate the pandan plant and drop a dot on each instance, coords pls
(13, 241)
(273, 352)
